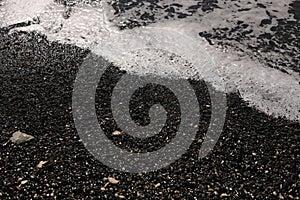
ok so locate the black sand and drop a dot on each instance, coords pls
(257, 156)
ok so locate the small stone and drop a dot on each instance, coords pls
(280, 196)
(224, 195)
(19, 137)
(120, 196)
(35, 196)
(117, 133)
(103, 188)
(40, 165)
(24, 182)
(113, 180)
(157, 185)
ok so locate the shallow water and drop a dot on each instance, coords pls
(267, 78)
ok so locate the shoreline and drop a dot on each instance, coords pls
(256, 156)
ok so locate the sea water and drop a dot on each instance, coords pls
(91, 24)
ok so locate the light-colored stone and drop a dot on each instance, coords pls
(19, 137)
(41, 163)
(113, 180)
(117, 133)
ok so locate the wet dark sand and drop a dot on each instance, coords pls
(257, 156)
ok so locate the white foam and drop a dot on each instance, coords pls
(16, 11)
(267, 89)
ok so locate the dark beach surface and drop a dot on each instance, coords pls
(256, 157)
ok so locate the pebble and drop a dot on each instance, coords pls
(120, 196)
(224, 195)
(157, 185)
(113, 180)
(280, 196)
(117, 133)
(41, 163)
(24, 182)
(19, 137)
(103, 188)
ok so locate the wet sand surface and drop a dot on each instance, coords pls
(256, 157)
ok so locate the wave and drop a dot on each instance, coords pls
(276, 92)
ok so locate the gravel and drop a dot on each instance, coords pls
(257, 156)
